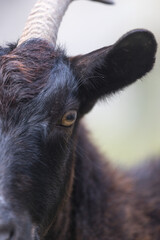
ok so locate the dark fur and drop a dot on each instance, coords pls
(55, 183)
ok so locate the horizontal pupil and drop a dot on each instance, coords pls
(70, 117)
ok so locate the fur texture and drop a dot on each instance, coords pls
(53, 182)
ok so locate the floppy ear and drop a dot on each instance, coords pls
(112, 68)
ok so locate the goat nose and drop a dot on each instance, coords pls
(6, 230)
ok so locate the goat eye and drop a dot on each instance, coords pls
(69, 118)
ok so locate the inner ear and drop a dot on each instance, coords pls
(112, 68)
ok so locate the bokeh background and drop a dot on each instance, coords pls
(126, 126)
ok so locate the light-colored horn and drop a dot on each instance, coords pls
(44, 20)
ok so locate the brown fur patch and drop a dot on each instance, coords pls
(24, 72)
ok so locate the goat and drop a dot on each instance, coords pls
(54, 184)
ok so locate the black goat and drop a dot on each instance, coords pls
(53, 182)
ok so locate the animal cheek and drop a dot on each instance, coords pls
(23, 182)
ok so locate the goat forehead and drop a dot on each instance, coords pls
(57, 97)
(25, 74)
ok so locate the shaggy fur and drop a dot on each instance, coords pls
(53, 182)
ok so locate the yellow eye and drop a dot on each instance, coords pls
(69, 118)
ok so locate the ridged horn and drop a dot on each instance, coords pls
(44, 20)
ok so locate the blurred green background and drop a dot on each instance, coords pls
(126, 127)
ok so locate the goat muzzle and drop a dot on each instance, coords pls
(13, 226)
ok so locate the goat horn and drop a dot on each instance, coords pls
(44, 20)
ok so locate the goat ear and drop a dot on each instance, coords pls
(109, 69)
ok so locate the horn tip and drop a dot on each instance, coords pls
(111, 2)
